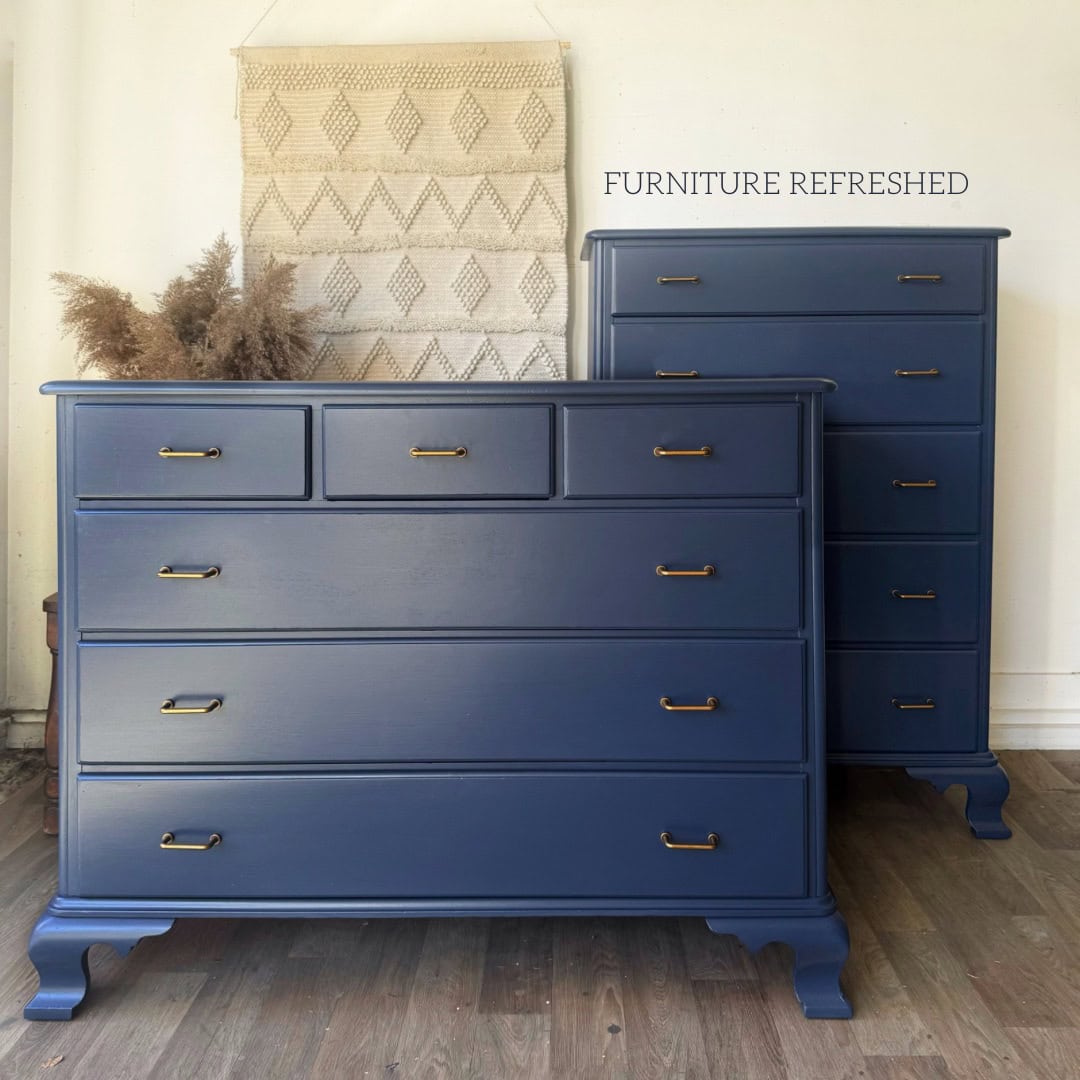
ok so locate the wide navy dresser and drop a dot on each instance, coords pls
(904, 321)
(388, 650)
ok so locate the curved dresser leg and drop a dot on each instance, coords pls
(821, 949)
(987, 787)
(58, 949)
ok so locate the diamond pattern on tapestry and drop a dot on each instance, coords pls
(421, 193)
(340, 123)
(273, 123)
(470, 285)
(404, 121)
(468, 120)
(340, 286)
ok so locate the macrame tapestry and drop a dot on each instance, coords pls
(421, 191)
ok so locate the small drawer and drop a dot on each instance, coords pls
(437, 452)
(887, 371)
(682, 450)
(820, 277)
(902, 701)
(910, 482)
(469, 569)
(410, 701)
(423, 835)
(191, 452)
(902, 592)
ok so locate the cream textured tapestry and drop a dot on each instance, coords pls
(421, 191)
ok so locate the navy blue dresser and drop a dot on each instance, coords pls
(379, 650)
(904, 321)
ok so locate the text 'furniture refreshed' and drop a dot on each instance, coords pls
(373, 650)
(904, 321)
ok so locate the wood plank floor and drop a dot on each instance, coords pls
(965, 964)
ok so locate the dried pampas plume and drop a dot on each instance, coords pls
(203, 328)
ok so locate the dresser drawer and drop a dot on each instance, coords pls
(436, 451)
(902, 701)
(478, 569)
(880, 592)
(682, 450)
(750, 277)
(224, 452)
(888, 371)
(437, 835)
(902, 482)
(409, 701)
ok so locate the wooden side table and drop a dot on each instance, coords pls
(51, 822)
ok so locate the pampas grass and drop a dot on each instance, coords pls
(203, 327)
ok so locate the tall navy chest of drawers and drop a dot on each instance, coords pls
(904, 321)
(374, 650)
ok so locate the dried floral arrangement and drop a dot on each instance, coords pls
(204, 327)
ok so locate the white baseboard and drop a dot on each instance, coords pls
(26, 730)
(1035, 711)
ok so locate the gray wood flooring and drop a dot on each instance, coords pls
(965, 964)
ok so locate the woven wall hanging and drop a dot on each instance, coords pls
(421, 191)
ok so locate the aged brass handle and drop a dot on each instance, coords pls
(711, 704)
(928, 595)
(659, 451)
(929, 703)
(929, 372)
(706, 571)
(693, 279)
(933, 279)
(170, 708)
(712, 842)
(676, 374)
(169, 572)
(168, 843)
(458, 451)
(167, 451)
(914, 483)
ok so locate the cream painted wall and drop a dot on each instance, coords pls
(7, 70)
(127, 163)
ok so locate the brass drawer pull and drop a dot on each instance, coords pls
(168, 843)
(914, 483)
(932, 279)
(167, 451)
(712, 842)
(676, 374)
(693, 279)
(706, 571)
(711, 704)
(929, 703)
(929, 373)
(169, 572)
(659, 451)
(928, 595)
(458, 451)
(170, 708)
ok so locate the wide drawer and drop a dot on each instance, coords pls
(902, 592)
(526, 569)
(902, 482)
(751, 277)
(479, 835)
(191, 452)
(436, 451)
(902, 701)
(682, 450)
(408, 701)
(888, 371)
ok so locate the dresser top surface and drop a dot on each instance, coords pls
(805, 233)
(583, 390)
